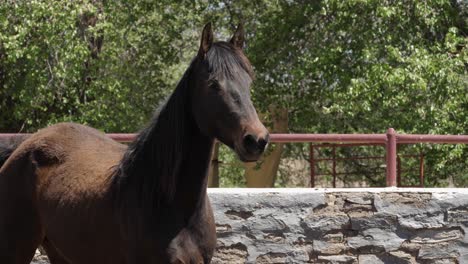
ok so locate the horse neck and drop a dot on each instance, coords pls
(192, 170)
(192, 179)
(192, 176)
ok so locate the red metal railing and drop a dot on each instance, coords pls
(334, 159)
(390, 140)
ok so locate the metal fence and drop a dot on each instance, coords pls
(389, 140)
(333, 159)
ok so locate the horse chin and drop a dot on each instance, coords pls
(244, 156)
(243, 159)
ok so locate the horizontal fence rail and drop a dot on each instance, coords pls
(389, 140)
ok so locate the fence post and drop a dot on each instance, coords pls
(312, 166)
(391, 147)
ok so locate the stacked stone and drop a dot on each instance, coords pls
(305, 226)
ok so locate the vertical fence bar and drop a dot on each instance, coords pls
(391, 147)
(312, 166)
(334, 166)
(421, 170)
(399, 171)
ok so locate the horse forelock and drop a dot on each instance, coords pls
(228, 61)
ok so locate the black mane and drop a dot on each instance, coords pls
(149, 166)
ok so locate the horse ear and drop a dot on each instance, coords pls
(206, 40)
(238, 38)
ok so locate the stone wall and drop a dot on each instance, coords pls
(369, 226)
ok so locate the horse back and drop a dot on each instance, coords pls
(72, 153)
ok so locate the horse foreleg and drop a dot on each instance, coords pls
(52, 253)
(20, 229)
(20, 234)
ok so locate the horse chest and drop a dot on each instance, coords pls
(185, 248)
(194, 244)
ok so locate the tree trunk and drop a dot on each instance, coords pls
(213, 173)
(263, 172)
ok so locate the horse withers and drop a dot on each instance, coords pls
(87, 199)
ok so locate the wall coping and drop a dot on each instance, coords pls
(335, 190)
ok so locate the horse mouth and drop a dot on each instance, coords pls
(247, 159)
(245, 156)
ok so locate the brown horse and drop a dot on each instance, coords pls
(89, 200)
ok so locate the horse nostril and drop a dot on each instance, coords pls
(262, 144)
(250, 142)
(254, 144)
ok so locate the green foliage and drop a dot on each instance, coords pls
(231, 172)
(362, 65)
(98, 63)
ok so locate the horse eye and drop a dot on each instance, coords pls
(215, 86)
(236, 98)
